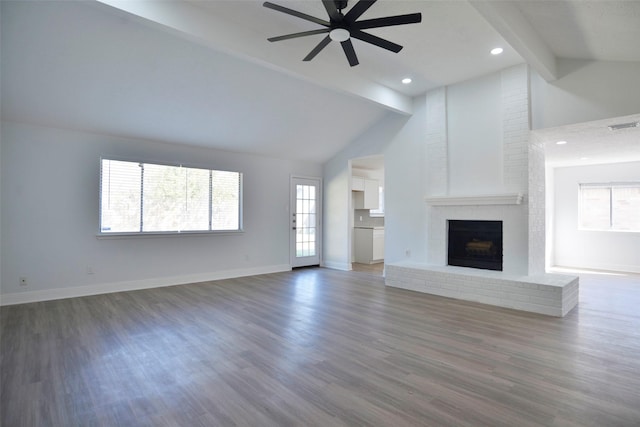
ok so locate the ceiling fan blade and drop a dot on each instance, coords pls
(295, 13)
(356, 11)
(332, 10)
(347, 46)
(296, 35)
(388, 21)
(316, 50)
(375, 40)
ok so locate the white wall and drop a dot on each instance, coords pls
(50, 185)
(421, 158)
(428, 154)
(474, 127)
(618, 251)
(405, 220)
(338, 209)
(549, 217)
(586, 91)
(401, 140)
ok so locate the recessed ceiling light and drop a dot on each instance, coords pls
(497, 51)
(584, 158)
(406, 81)
(561, 142)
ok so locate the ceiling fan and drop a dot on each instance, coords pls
(342, 27)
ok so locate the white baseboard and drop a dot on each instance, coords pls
(105, 288)
(622, 268)
(344, 266)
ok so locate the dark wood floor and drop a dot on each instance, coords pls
(320, 347)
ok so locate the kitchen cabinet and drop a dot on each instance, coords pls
(357, 183)
(369, 198)
(369, 245)
(378, 245)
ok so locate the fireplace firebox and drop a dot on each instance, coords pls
(476, 244)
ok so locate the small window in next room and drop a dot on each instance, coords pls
(380, 211)
(610, 206)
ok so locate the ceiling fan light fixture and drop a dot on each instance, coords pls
(339, 35)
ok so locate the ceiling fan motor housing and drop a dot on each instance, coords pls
(341, 4)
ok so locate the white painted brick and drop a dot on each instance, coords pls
(546, 294)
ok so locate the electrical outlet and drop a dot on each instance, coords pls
(23, 281)
(90, 270)
(407, 252)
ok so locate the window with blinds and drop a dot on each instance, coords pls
(613, 207)
(152, 198)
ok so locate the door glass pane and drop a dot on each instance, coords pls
(305, 221)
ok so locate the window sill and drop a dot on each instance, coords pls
(150, 234)
(608, 230)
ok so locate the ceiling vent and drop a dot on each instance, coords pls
(624, 126)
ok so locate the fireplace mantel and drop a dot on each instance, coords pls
(476, 200)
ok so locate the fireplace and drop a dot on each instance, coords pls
(476, 244)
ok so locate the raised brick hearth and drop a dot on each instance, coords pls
(549, 294)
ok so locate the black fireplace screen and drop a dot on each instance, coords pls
(476, 244)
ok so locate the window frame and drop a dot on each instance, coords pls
(604, 185)
(378, 213)
(172, 233)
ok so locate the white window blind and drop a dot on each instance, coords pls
(151, 198)
(610, 207)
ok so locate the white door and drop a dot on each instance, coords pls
(305, 221)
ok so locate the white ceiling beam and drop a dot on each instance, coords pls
(203, 27)
(508, 21)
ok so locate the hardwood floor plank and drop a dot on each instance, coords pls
(319, 347)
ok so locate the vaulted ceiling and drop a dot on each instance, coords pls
(203, 72)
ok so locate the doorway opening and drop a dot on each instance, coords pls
(366, 215)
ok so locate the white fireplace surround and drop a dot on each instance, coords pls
(514, 232)
(506, 207)
(505, 183)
